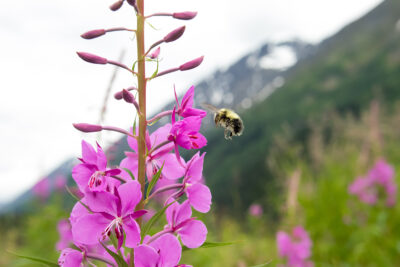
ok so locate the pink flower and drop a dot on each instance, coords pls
(64, 230)
(155, 159)
(198, 194)
(60, 182)
(295, 248)
(255, 210)
(185, 109)
(185, 133)
(42, 188)
(92, 174)
(367, 188)
(193, 232)
(165, 251)
(112, 213)
(70, 258)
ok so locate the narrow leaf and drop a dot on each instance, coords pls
(118, 259)
(216, 244)
(155, 72)
(154, 180)
(130, 173)
(43, 261)
(153, 220)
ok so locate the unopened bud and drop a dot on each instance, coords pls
(118, 95)
(128, 97)
(87, 128)
(117, 5)
(184, 15)
(93, 34)
(174, 35)
(191, 64)
(92, 58)
(155, 54)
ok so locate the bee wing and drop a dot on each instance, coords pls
(209, 107)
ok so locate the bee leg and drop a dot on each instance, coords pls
(228, 134)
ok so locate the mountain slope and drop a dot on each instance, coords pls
(359, 63)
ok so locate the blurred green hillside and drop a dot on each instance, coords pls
(358, 64)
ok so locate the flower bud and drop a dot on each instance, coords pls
(191, 64)
(128, 96)
(117, 5)
(187, 15)
(87, 128)
(93, 34)
(92, 58)
(155, 54)
(118, 95)
(174, 35)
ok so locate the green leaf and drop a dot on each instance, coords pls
(118, 259)
(211, 245)
(152, 123)
(43, 261)
(130, 173)
(155, 72)
(154, 180)
(151, 25)
(77, 199)
(216, 244)
(134, 65)
(146, 228)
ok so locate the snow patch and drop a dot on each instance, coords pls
(280, 57)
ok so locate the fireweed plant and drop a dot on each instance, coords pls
(106, 224)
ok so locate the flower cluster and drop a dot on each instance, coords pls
(378, 183)
(295, 248)
(106, 224)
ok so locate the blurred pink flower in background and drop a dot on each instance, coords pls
(367, 188)
(255, 210)
(42, 188)
(295, 248)
(64, 230)
(60, 182)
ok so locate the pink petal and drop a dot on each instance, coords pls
(81, 174)
(160, 135)
(169, 249)
(70, 258)
(189, 112)
(78, 211)
(89, 155)
(183, 212)
(132, 142)
(145, 256)
(88, 229)
(172, 169)
(132, 232)
(101, 158)
(130, 195)
(195, 170)
(170, 213)
(102, 202)
(198, 142)
(193, 234)
(187, 100)
(199, 196)
(130, 163)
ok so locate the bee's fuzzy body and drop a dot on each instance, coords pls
(230, 121)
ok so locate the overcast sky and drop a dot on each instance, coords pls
(45, 86)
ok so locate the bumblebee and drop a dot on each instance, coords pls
(227, 119)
